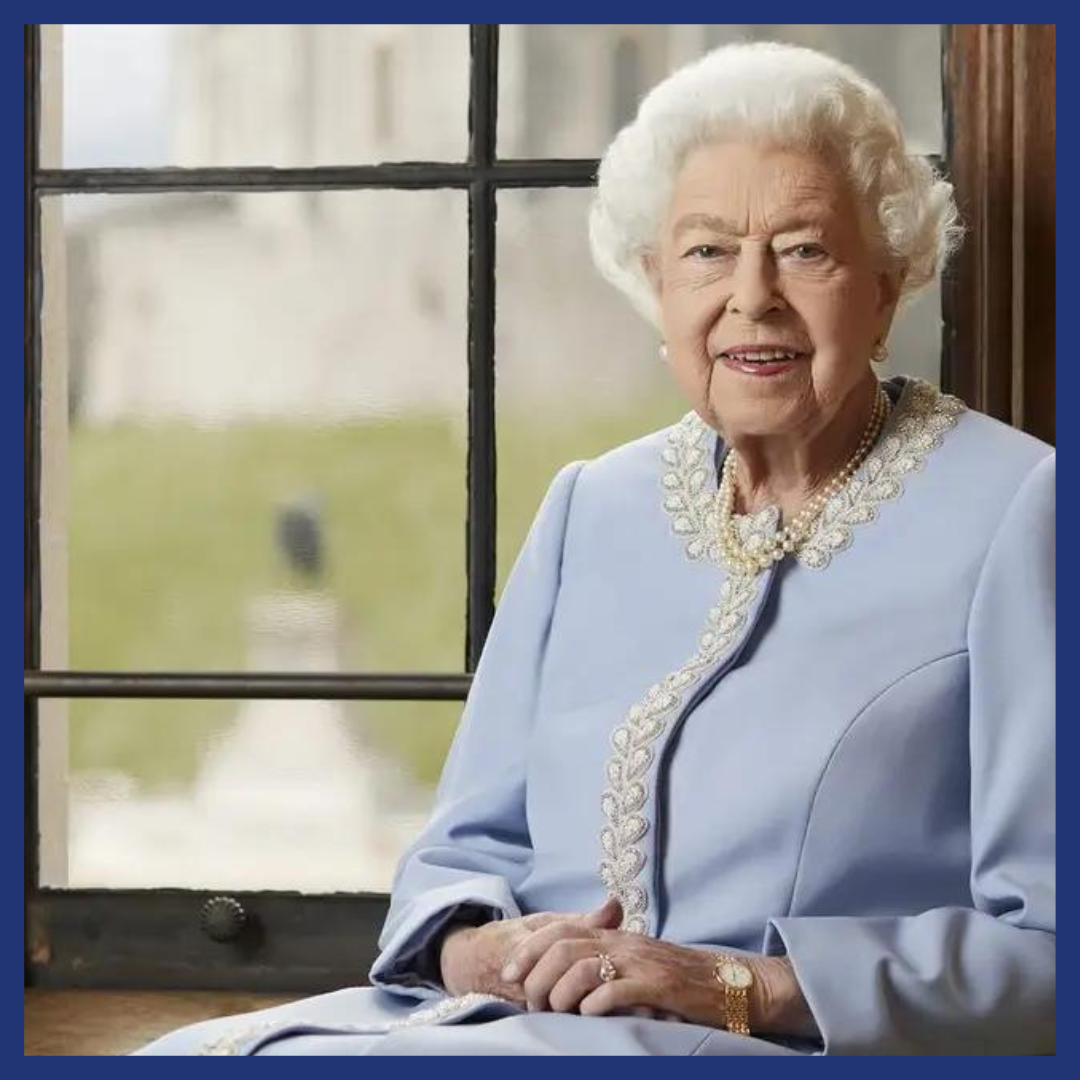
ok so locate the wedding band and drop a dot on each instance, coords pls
(608, 972)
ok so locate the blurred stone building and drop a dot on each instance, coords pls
(212, 307)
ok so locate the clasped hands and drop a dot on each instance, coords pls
(549, 961)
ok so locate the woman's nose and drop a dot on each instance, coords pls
(754, 291)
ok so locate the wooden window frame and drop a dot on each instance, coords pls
(998, 294)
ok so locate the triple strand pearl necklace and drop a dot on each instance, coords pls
(792, 536)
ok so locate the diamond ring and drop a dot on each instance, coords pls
(608, 972)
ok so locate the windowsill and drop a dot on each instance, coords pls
(102, 1022)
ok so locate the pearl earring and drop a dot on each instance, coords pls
(663, 350)
(880, 352)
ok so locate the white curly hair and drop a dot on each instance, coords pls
(783, 95)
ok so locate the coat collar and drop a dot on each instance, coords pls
(921, 416)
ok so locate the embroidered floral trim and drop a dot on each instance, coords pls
(627, 770)
(919, 422)
(232, 1042)
(921, 416)
(690, 487)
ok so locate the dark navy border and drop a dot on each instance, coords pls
(560, 12)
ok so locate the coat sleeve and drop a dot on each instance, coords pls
(978, 979)
(475, 849)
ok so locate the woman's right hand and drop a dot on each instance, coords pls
(472, 957)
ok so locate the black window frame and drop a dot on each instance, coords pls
(152, 938)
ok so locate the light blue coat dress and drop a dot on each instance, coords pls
(848, 758)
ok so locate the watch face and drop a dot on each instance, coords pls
(735, 974)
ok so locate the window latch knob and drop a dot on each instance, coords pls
(222, 918)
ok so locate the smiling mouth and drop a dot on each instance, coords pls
(761, 356)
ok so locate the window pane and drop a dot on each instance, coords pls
(309, 795)
(149, 95)
(267, 444)
(565, 90)
(578, 372)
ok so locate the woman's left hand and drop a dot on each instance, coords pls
(559, 969)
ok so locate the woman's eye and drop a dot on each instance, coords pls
(705, 251)
(806, 252)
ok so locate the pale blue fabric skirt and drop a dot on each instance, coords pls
(363, 1020)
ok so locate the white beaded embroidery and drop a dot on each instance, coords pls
(627, 769)
(232, 1042)
(916, 425)
(689, 497)
(924, 415)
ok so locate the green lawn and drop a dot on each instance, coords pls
(171, 535)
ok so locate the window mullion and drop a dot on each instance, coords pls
(480, 534)
(32, 464)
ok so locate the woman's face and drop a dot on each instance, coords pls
(767, 249)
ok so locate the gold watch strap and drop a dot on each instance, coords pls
(737, 1010)
(736, 1001)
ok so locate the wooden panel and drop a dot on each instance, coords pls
(61, 1022)
(149, 939)
(999, 84)
(1033, 382)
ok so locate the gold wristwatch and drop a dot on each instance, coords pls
(736, 979)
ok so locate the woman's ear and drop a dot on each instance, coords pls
(650, 265)
(890, 284)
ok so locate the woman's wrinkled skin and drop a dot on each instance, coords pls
(473, 958)
(763, 245)
(550, 961)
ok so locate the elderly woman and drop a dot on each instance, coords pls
(759, 758)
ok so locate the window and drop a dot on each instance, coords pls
(626, 82)
(267, 396)
(382, 92)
